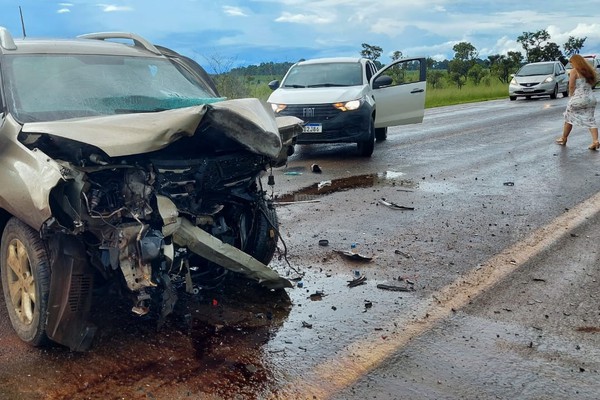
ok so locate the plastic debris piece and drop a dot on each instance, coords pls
(306, 325)
(323, 242)
(394, 206)
(316, 169)
(300, 284)
(292, 173)
(354, 256)
(322, 184)
(509, 184)
(405, 255)
(358, 281)
(395, 288)
(317, 296)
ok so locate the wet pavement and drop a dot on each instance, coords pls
(475, 181)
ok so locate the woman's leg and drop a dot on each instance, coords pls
(567, 127)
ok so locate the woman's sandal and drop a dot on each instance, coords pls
(594, 146)
(562, 141)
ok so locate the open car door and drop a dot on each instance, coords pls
(399, 92)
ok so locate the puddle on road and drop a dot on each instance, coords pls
(315, 191)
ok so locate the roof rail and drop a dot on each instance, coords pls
(6, 39)
(138, 41)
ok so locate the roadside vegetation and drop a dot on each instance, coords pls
(464, 79)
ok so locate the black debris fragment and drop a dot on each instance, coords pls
(509, 184)
(306, 325)
(361, 280)
(395, 288)
(316, 169)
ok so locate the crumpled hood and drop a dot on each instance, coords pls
(317, 95)
(247, 121)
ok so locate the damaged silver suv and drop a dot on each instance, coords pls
(120, 163)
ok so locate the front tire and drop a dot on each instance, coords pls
(380, 134)
(25, 281)
(264, 234)
(512, 98)
(366, 147)
(554, 93)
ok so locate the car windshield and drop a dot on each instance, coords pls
(324, 75)
(536, 69)
(49, 87)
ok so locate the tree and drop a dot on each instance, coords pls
(396, 55)
(476, 73)
(502, 66)
(464, 51)
(532, 42)
(464, 59)
(370, 52)
(573, 45)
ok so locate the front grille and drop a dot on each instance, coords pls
(530, 84)
(182, 178)
(311, 112)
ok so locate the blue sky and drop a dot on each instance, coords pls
(223, 34)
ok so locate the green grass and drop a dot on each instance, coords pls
(467, 94)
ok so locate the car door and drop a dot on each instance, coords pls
(401, 99)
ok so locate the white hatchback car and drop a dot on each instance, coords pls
(347, 100)
(547, 78)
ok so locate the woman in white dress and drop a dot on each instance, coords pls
(582, 104)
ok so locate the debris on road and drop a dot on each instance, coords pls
(394, 206)
(354, 256)
(323, 242)
(395, 288)
(357, 281)
(322, 184)
(316, 169)
(306, 325)
(509, 184)
(405, 255)
(317, 296)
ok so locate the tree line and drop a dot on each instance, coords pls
(466, 64)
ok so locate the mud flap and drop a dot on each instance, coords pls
(70, 296)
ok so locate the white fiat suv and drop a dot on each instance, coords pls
(348, 100)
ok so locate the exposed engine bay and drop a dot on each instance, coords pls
(157, 213)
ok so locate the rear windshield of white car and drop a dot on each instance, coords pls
(536, 69)
(48, 87)
(324, 75)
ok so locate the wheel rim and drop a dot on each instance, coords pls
(21, 284)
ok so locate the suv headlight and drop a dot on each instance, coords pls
(513, 81)
(349, 105)
(278, 107)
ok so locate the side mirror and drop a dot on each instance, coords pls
(274, 84)
(381, 81)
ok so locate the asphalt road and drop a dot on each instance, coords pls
(496, 255)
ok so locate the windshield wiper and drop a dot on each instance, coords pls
(294, 86)
(326, 85)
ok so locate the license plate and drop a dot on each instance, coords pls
(528, 89)
(312, 128)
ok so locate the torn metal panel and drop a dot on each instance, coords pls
(227, 256)
(248, 121)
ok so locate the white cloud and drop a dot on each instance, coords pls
(65, 4)
(63, 11)
(113, 8)
(304, 19)
(234, 11)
